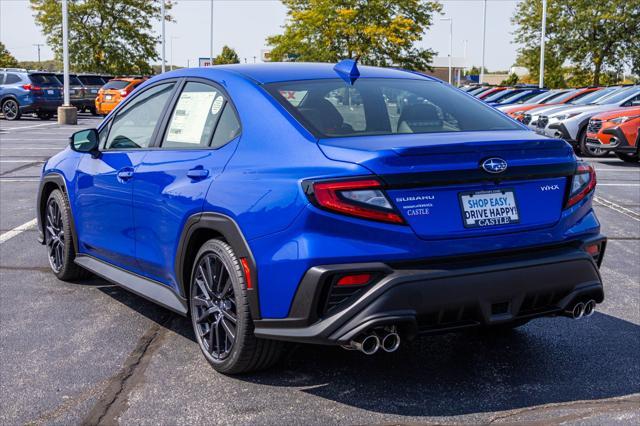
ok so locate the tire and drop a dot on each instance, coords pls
(585, 150)
(93, 111)
(217, 297)
(11, 110)
(628, 158)
(59, 238)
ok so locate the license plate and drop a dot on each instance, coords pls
(488, 208)
(107, 97)
(50, 92)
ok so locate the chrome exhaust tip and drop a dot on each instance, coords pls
(367, 344)
(589, 308)
(391, 342)
(578, 310)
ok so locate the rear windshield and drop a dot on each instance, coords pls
(587, 99)
(116, 84)
(91, 80)
(44, 80)
(372, 106)
(73, 80)
(617, 97)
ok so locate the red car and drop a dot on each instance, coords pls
(616, 131)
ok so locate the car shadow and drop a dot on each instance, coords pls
(550, 360)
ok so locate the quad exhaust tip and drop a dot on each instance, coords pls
(582, 309)
(369, 343)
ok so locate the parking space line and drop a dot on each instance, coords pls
(18, 230)
(618, 208)
(9, 129)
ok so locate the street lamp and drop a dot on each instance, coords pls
(484, 38)
(211, 36)
(450, 43)
(162, 13)
(67, 114)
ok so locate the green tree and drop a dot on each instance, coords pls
(48, 65)
(378, 32)
(512, 80)
(109, 36)
(554, 72)
(595, 36)
(6, 58)
(227, 56)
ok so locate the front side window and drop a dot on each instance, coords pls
(134, 124)
(372, 106)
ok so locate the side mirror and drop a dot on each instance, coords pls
(85, 141)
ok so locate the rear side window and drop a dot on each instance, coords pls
(202, 117)
(116, 84)
(44, 79)
(12, 79)
(73, 80)
(91, 80)
(372, 106)
(135, 123)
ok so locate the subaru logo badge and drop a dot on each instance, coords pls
(494, 165)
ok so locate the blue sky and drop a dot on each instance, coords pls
(244, 25)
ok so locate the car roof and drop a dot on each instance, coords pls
(273, 72)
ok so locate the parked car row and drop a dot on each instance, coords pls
(40, 92)
(594, 120)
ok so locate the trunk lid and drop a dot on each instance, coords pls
(439, 187)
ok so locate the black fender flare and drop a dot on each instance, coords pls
(229, 230)
(41, 202)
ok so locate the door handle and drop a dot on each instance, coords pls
(125, 173)
(198, 173)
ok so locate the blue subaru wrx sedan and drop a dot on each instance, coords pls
(323, 204)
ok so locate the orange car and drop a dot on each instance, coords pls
(564, 97)
(112, 93)
(616, 131)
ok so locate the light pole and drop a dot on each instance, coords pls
(38, 45)
(484, 38)
(542, 36)
(171, 52)
(450, 43)
(211, 36)
(67, 114)
(162, 13)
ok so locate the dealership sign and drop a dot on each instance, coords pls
(204, 62)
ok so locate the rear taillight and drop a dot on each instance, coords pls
(582, 183)
(361, 198)
(32, 88)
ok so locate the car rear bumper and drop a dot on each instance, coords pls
(435, 297)
(105, 107)
(41, 106)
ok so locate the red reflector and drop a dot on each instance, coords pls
(247, 272)
(593, 249)
(357, 279)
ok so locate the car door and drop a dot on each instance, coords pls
(200, 135)
(103, 202)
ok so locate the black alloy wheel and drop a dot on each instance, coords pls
(11, 109)
(220, 314)
(54, 235)
(214, 307)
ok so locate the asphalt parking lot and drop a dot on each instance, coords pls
(90, 352)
